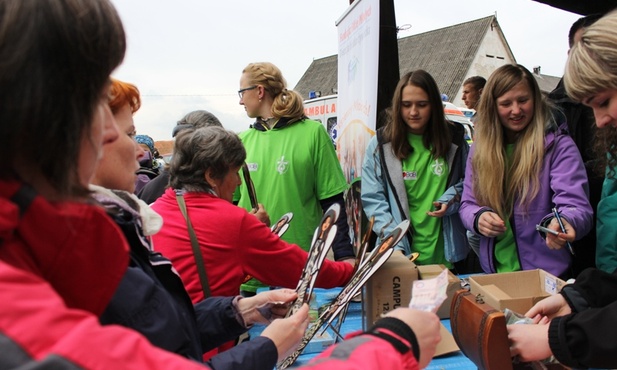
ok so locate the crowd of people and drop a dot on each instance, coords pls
(130, 263)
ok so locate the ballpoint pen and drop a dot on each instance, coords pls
(563, 229)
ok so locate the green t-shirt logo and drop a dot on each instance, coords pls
(438, 167)
(281, 165)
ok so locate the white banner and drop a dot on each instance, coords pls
(358, 62)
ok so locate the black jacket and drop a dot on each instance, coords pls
(152, 300)
(582, 339)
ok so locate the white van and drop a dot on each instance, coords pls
(456, 114)
(323, 109)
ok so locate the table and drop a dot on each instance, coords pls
(353, 322)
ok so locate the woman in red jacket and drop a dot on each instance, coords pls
(204, 170)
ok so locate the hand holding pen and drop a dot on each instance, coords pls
(562, 226)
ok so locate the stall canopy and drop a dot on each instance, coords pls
(582, 7)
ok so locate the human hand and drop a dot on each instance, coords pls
(261, 214)
(491, 225)
(287, 333)
(266, 306)
(529, 342)
(426, 326)
(440, 210)
(558, 241)
(349, 260)
(548, 308)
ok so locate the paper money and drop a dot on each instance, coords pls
(428, 295)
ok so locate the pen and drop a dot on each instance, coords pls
(563, 229)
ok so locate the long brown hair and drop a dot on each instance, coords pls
(437, 136)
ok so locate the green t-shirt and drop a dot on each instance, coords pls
(292, 169)
(506, 254)
(425, 180)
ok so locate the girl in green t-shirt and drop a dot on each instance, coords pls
(413, 169)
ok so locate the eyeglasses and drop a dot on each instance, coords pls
(241, 91)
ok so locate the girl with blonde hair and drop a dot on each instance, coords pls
(521, 167)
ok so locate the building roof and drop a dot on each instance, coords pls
(321, 76)
(445, 53)
(545, 82)
(582, 7)
(164, 146)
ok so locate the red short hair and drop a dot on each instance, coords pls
(122, 93)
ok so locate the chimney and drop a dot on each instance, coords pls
(536, 70)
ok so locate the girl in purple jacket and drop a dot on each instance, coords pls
(522, 166)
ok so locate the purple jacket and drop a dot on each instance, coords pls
(563, 185)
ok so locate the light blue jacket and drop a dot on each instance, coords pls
(381, 200)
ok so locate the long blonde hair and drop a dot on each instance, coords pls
(592, 62)
(286, 103)
(591, 69)
(495, 185)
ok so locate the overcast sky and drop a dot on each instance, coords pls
(185, 55)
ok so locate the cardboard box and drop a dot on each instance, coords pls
(447, 343)
(518, 291)
(454, 284)
(389, 288)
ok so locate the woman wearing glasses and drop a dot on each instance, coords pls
(293, 164)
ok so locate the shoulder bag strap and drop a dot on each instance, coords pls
(199, 259)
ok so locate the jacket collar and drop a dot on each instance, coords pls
(283, 122)
(150, 221)
(74, 246)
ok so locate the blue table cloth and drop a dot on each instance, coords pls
(353, 322)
